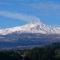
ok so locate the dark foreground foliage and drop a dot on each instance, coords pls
(50, 52)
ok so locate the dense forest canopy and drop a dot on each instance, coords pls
(48, 52)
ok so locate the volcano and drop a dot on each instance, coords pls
(29, 35)
(36, 27)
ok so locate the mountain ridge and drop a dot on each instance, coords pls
(35, 27)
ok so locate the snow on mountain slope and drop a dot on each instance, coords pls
(36, 27)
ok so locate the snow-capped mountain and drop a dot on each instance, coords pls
(36, 27)
(28, 35)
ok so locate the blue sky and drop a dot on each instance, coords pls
(19, 12)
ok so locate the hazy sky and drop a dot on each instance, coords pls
(18, 12)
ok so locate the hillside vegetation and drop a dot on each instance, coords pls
(50, 52)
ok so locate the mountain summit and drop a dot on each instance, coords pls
(35, 27)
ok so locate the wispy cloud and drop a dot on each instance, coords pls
(39, 5)
(19, 16)
(44, 5)
(46, 8)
